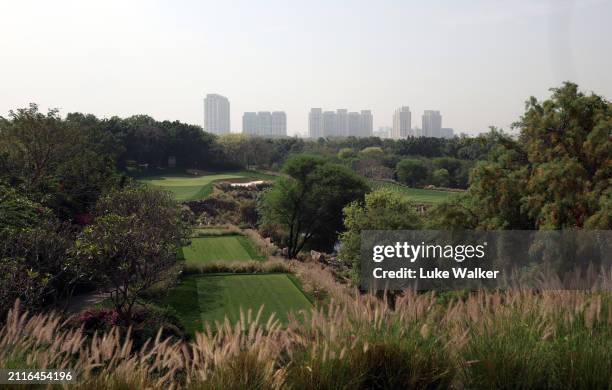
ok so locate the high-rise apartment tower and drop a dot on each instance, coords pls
(279, 124)
(402, 123)
(315, 123)
(216, 114)
(367, 123)
(431, 124)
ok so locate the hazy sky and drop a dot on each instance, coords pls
(475, 61)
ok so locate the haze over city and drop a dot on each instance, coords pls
(475, 62)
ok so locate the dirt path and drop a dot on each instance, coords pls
(81, 302)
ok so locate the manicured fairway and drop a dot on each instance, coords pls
(418, 195)
(209, 298)
(219, 248)
(187, 187)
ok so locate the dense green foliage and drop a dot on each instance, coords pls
(440, 177)
(17, 211)
(51, 173)
(141, 139)
(438, 171)
(381, 210)
(271, 153)
(35, 266)
(308, 202)
(411, 172)
(556, 175)
(132, 244)
(53, 161)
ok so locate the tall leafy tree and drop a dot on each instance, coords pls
(36, 144)
(132, 244)
(557, 174)
(308, 201)
(568, 142)
(412, 172)
(54, 161)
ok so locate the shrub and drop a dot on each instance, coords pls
(239, 267)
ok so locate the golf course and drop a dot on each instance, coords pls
(198, 299)
(211, 297)
(186, 187)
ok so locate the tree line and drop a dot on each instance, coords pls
(556, 175)
(70, 221)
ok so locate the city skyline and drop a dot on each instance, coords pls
(339, 123)
(476, 62)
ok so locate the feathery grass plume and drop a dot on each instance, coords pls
(527, 339)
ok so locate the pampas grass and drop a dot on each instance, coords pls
(482, 340)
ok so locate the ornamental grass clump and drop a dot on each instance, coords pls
(479, 340)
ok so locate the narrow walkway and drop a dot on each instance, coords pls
(81, 302)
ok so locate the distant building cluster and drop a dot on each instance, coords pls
(339, 123)
(216, 114)
(431, 125)
(265, 123)
(262, 123)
